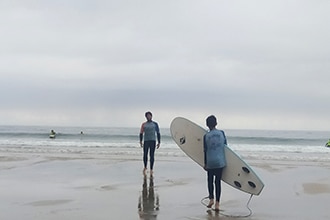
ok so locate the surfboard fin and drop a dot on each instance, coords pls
(237, 184)
(245, 169)
(252, 184)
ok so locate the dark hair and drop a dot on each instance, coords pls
(148, 113)
(211, 121)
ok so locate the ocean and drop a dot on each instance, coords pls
(107, 141)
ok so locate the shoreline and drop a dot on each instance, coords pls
(75, 186)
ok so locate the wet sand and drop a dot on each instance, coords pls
(47, 187)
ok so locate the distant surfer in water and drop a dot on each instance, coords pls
(214, 159)
(148, 132)
(52, 134)
(328, 143)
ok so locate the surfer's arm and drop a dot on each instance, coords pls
(141, 139)
(142, 128)
(158, 137)
(205, 148)
(157, 132)
(224, 137)
(141, 134)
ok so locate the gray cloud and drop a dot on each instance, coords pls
(255, 62)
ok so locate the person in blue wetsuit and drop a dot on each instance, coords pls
(148, 133)
(214, 159)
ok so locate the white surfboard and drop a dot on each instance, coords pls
(237, 173)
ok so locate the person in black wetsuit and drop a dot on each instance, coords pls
(148, 132)
(214, 159)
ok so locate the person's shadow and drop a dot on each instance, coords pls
(148, 205)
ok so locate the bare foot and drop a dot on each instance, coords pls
(151, 172)
(217, 207)
(210, 203)
(145, 171)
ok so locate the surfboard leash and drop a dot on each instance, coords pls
(231, 215)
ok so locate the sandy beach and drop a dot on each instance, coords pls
(75, 186)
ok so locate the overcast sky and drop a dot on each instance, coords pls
(253, 64)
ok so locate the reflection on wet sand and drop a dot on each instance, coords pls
(148, 206)
(212, 215)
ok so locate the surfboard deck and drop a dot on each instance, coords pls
(238, 174)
